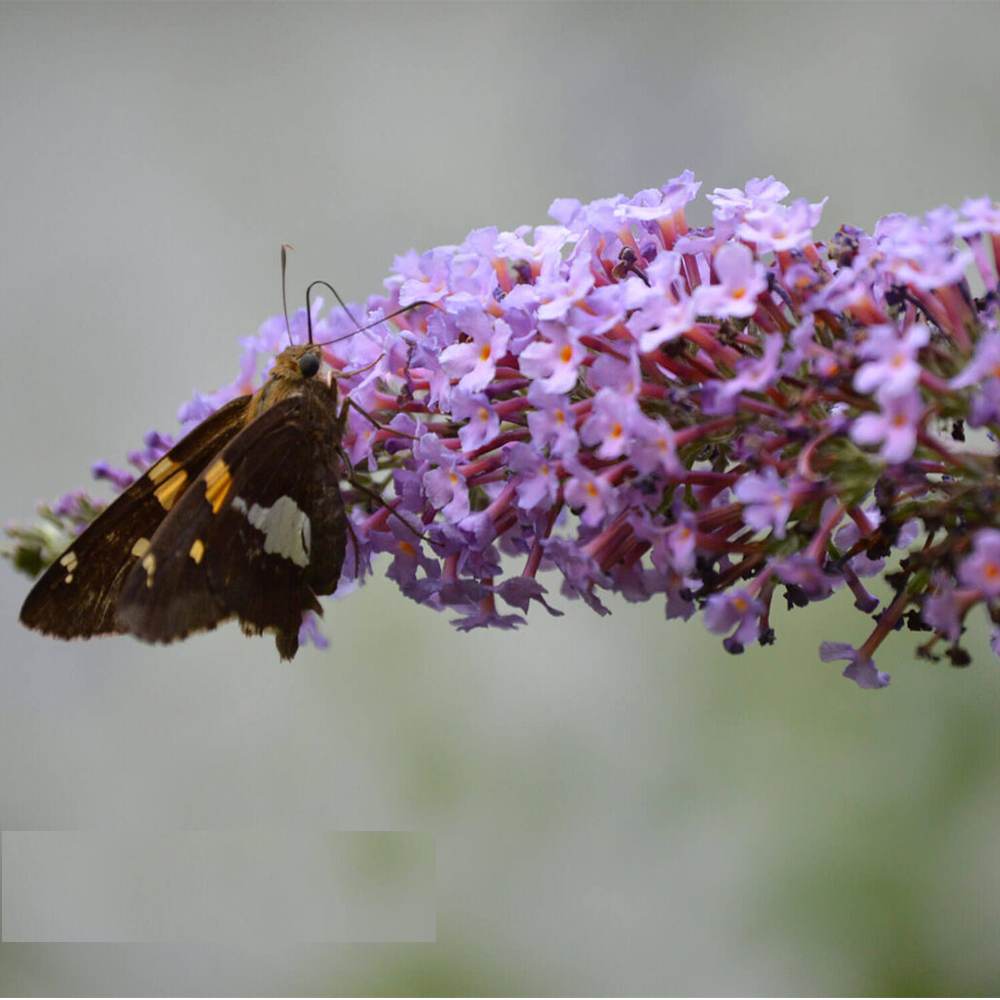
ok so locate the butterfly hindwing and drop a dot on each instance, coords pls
(78, 594)
(258, 535)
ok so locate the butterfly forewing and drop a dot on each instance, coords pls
(79, 592)
(256, 537)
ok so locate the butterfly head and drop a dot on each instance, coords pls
(299, 362)
(309, 363)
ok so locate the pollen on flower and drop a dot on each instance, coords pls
(711, 417)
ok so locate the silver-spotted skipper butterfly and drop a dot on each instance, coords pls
(243, 518)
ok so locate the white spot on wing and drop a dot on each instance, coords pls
(285, 527)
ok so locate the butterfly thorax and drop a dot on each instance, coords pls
(286, 379)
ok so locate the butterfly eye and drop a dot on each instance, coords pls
(308, 365)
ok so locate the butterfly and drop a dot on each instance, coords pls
(243, 518)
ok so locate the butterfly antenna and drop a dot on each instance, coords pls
(353, 318)
(384, 319)
(336, 295)
(285, 247)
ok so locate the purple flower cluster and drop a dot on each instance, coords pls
(715, 415)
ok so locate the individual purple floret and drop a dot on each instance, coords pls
(712, 417)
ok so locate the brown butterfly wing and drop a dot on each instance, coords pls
(257, 537)
(78, 594)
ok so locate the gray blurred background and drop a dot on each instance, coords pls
(618, 805)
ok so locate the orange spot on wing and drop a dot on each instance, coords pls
(218, 480)
(162, 469)
(168, 493)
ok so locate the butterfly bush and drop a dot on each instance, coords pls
(715, 417)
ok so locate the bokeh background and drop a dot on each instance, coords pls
(618, 805)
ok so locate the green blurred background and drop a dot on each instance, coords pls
(618, 806)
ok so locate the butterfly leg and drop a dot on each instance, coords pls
(375, 423)
(377, 497)
(357, 550)
(342, 420)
